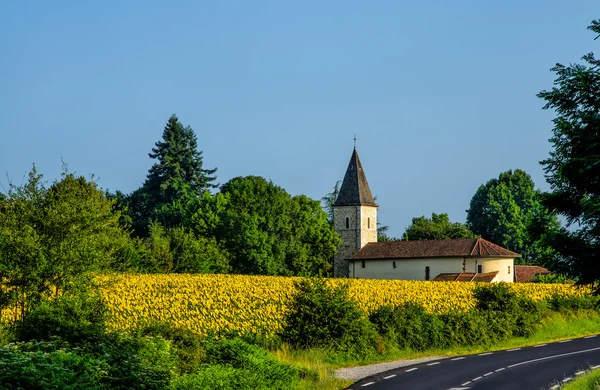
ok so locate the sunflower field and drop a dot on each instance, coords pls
(237, 304)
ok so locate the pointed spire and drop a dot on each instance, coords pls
(355, 189)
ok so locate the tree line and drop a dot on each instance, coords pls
(174, 223)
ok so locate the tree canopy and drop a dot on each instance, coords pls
(438, 227)
(502, 210)
(573, 168)
(51, 238)
(267, 231)
(174, 182)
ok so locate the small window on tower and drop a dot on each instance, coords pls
(427, 276)
(509, 269)
(394, 264)
(347, 222)
(479, 269)
(368, 223)
(363, 264)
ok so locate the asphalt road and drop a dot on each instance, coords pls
(543, 366)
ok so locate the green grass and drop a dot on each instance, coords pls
(555, 326)
(588, 381)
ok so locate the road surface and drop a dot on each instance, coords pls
(542, 366)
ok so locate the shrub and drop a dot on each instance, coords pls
(74, 317)
(235, 364)
(495, 297)
(558, 302)
(409, 326)
(47, 365)
(323, 316)
(551, 278)
(188, 345)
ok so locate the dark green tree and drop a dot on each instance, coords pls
(174, 182)
(438, 227)
(267, 231)
(52, 238)
(573, 168)
(503, 209)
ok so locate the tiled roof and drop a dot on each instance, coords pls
(466, 277)
(355, 189)
(525, 273)
(464, 247)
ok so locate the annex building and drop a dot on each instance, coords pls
(361, 256)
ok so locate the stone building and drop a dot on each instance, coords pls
(361, 256)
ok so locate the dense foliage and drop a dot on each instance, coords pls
(438, 227)
(572, 170)
(51, 238)
(502, 210)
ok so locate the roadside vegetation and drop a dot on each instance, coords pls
(63, 341)
(588, 381)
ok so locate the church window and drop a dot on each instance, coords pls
(427, 273)
(479, 269)
(509, 269)
(394, 264)
(368, 223)
(363, 264)
(347, 222)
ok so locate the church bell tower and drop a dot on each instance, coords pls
(354, 216)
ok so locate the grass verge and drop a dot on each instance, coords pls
(588, 381)
(555, 326)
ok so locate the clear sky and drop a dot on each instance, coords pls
(441, 94)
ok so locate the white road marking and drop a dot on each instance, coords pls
(500, 369)
(580, 372)
(485, 354)
(539, 345)
(514, 349)
(554, 356)
(433, 364)
(389, 376)
(459, 388)
(564, 341)
(554, 387)
(488, 374)
(458, 358)
(590, 337)
(411, 369)
(466, 383)
(595, 367)
(368, 384)
(566, 379)
(476, 379)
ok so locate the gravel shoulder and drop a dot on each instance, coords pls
(360, 372)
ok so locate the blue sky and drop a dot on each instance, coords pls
(441, 94)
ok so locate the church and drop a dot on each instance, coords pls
(361, 256)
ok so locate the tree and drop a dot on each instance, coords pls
(173, 183)
(267, 231)
(573, 168)
(438, 227)
(52, 238)
(502, 210)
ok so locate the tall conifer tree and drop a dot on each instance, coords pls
(174, 182)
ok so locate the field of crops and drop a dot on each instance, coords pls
(210, 304)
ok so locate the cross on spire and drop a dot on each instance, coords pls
(354, 140)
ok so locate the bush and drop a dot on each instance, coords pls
(47, 365)
(551, 278)
(324, 316)
(188, 345)
(558, 302)
(506, 313)
(235, 364)
(78, 316)
(409, 326)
